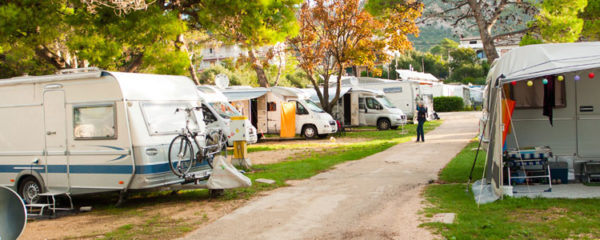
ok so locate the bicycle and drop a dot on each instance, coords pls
(214, 142)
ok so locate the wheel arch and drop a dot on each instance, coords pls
(309, 124)
(27, 173)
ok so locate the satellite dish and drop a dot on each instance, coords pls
(222, 81)
(13, 214)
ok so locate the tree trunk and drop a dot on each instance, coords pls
(135, 63)
(182, 46)
(258, 68)
(279, 69)
(52, 58)
(484, 31)
(338, 89)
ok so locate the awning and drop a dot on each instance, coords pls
(244, 93)
(540, 60)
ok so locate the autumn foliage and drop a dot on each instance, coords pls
(336, 34)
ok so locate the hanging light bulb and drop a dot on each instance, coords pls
(513, 83)
(545, 81)
(529, 83)
(560, 78)
(577, 77)
(591, 75)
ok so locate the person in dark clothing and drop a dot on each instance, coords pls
(421, 118)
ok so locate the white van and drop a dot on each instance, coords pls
(217, 112)
(89, 131)
(311, 120)
(364, 107)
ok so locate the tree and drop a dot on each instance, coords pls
(444, 48)
(591, 18)
(425, 62)
(558, 21)
(492, 18)
(337, 34)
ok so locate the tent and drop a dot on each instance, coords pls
(554, 89)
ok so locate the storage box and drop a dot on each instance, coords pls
(560, 170)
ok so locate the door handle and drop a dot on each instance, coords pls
(51, 133)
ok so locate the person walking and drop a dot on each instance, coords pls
(421, 118)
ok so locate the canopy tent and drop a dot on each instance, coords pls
(408, 75)
(240, 94)
(529, 63)
(545, 59)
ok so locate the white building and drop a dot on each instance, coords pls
(216, 52)
(503, 45)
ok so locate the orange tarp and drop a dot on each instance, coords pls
(508, 107)
(288, 120)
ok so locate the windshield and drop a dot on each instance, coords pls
(313, 106)
(162, 119)
(225, 110)
(383, 100)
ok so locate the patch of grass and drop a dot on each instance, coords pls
(457, 171)
(511, 218)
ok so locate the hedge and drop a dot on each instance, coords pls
(448, 104)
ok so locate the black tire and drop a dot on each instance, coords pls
(29, 189)
(309, 132)
(383, 124)
(181, 163)
(394, 127)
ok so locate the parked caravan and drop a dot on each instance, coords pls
(363, 107)
(405, 95)
(541, 104)
(89, 131)
(217, 112)
(250, 102)
(309, 121)
(458, 90)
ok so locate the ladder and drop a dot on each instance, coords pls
(37, 209)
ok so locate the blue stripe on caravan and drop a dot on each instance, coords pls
(19, 168)
(94, 169)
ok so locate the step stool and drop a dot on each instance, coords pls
(50, 203)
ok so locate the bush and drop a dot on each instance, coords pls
(448, 104)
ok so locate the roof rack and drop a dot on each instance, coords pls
(78, 70)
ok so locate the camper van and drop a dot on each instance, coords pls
(364, 107)
(520, 114)
(310, 120)
(89, 131)
(217, 112)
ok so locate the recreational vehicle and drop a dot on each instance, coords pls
(541, 103)
(88, 131)
(364, 107)
(217, 112)
(265, 111)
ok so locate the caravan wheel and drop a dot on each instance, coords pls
(309, 131)
(383, 124)
(29, 189)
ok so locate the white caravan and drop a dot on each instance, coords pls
(89, 131)
(574, 135)
(364, 107)
(311, 120)
(405, 95)
(217, 112)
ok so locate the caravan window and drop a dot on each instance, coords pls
(300, 110)
(533, 97)
(271, 107)
(385, 101)
(313, 106)
(94, 121)
(162, 119)
(225, 110)
(373, 104)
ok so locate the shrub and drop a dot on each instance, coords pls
(448, 104)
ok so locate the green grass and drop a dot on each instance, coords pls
(510, 218)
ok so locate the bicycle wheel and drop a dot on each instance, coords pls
(181, 155)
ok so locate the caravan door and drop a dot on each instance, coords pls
(588, 117)
(57, 162)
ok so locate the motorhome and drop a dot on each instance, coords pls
(541, 101)
(310, 120)
(404, 95)
(364, 107)
(217, 112)
(89, 131)
(250, 102)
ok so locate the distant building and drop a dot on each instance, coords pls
(503, 45)
(216, 52)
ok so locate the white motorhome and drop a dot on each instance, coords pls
(571, 134)
(263, 107)
(366, 107)
(458, 90)
(89, 131)
(217, 112)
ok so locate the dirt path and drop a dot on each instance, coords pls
(374, 198)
